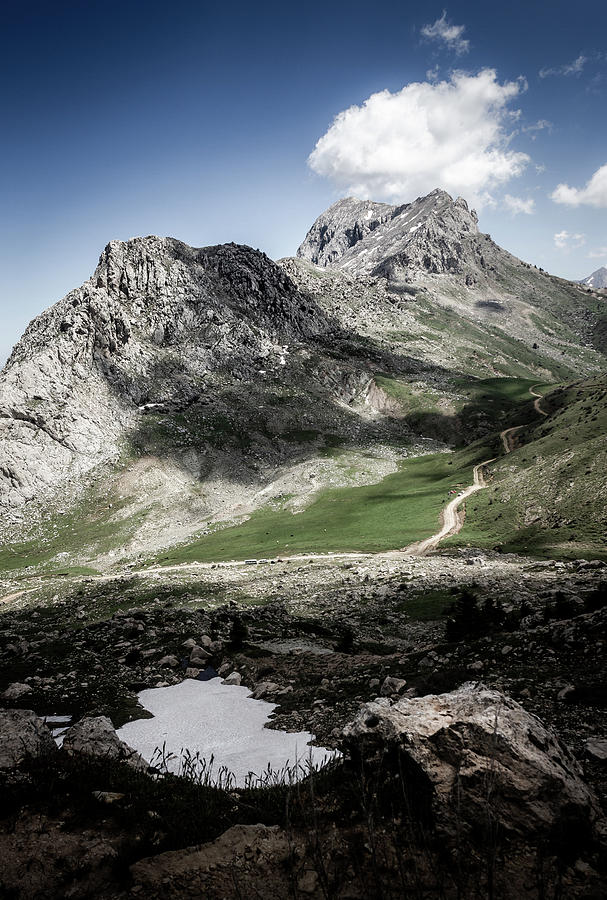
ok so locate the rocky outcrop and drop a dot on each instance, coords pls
(476, 760)
(153, 323)
(341, 227)
(253, 857)
(95, 736)
(23, 735)
(597, 280)
(432, 235)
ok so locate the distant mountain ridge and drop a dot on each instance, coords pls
(597, 280)
(434, 244)
(367, 238)
(179, 387)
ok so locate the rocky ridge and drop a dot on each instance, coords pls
(156, 321)
(434, 244)
(597, 280)
(201, 384)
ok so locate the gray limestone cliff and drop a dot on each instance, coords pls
(434, 234)
(155, 319)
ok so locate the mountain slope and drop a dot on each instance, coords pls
(597, 280)
(433, 246)
(550, 494)
(179, 389)
(155, 322)
(202, 399)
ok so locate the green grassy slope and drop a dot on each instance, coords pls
(473, 407)
(401, 509)
(549, 497)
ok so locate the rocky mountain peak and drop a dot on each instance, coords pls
(370, 238)
(597, 280)
(156, 318)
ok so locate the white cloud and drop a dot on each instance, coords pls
(594, 193)
(445, 33)
(573, 68)
(518, 205)
(540, 125)
(598, 253)
(564, 240)
(397, 146)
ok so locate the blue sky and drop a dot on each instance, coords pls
(198, 121)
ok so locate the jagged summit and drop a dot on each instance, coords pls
(597, 280)
(156, 320)
(364, 237)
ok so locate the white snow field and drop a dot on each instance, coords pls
(222, 721)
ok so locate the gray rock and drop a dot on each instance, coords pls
(263, 688)
(366, 238)
(170, 661)
(392, 686)
(199, 657)
(597, 749)
(16, 691)
(23, 735)
(81, 376)
(234, 678)
(95, 736)
(472, 741)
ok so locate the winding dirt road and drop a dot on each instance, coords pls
(451, 520)
(451, 523)
(537, 402)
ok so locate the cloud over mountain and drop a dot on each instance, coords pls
(451, 134)
(594, 193)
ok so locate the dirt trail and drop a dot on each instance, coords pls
(8, 597)
(450, 518)
(451, 521)
(537, 402)
(505, 436)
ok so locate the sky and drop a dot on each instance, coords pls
(243, 122)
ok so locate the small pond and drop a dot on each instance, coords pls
(222, 721)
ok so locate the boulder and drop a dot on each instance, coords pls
(199, 653)
(475, 756)
(16, 691)
(596, 748)
(253, 857)
(23, 735)
(263, 688)
(170, 661)
(234, 678)
(95, 736)
(392, 685)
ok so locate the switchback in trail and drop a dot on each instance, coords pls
(452, 522)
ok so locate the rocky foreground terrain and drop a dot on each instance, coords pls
(372, 655)
(213, 465)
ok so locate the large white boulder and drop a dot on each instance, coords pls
(475, 758)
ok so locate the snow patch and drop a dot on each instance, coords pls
(223, 721)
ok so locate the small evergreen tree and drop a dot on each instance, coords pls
(239, 633)
(465, 620)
